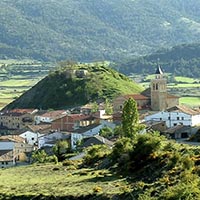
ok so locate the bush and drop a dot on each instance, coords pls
(95, 153)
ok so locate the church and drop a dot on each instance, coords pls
(155, 98)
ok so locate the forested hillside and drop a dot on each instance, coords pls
(183, 60)
(88, 30)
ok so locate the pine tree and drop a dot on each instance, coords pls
(130, 119)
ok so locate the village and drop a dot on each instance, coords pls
(24, 131)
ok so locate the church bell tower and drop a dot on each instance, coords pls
(158, 91)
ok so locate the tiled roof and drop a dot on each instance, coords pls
(79, 116)
(5, 155)
(184, 109)
(54, 114)
(13, 138)
(97, 140)
(39, 127)
(23, 111)
(170, 96)
(136, 96)
(86, 128)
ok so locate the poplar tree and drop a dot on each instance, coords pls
(130, 119)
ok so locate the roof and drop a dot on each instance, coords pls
(5, 155)
(23, 111)
(184, 109)
(159, 70)
(97, 140)
(54, 114)
(13, 138)
(39, 127)
(136, 96)
(86, 128)
(170, 96)
(175, 128)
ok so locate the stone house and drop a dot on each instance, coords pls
(17, 118)
(72, 122)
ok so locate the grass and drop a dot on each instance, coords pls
(185, 79)
(191, 101)
(17, 83)
(44, 179)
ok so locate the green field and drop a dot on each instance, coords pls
(17, 76)
(56, 180)
(194, 101)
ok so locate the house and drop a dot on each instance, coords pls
(17, 118)
(177, 115)
(154, 98)
(13, 149)
(31, 137)
(51, 138)
(178, 132)
(155, 125)
(39, 128)
(6, 158)
(49, 116)
(96, 140)
(141, 100)
(72, 122)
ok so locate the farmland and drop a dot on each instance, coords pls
(17, 76)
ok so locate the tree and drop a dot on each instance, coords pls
(62, 147)
(130, 118)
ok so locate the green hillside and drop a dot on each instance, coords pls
(88, 30)
(68, 86)
(183, 60)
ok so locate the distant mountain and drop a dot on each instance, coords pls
(74, 85)
(88, 30)
(181, 60)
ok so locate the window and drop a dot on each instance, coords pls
(169, 118)
(175, 124)
(182, 118)
(177, 118)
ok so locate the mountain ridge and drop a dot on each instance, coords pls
(89, 30)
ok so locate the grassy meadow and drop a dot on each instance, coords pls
(56, 180)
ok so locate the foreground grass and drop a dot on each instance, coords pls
(58, 181)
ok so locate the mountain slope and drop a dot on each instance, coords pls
(87, 30)
(183, 60)
(74, 85)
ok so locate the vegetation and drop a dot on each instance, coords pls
(181, 60)
(125, 28)
(130, 118)
(64, 88)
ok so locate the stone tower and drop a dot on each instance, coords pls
(158, 91)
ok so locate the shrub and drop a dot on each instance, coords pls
(95, 153)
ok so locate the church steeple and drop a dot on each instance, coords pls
(158, 90)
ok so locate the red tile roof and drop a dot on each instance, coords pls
(54, 114)
(136, 96)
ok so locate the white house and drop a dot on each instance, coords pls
(31, 137)
(177, 115)
(49, 116)
(50, 139)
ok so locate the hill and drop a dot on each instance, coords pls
(183, 60)
(148, 167)
(88, 30)
(75, 84)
